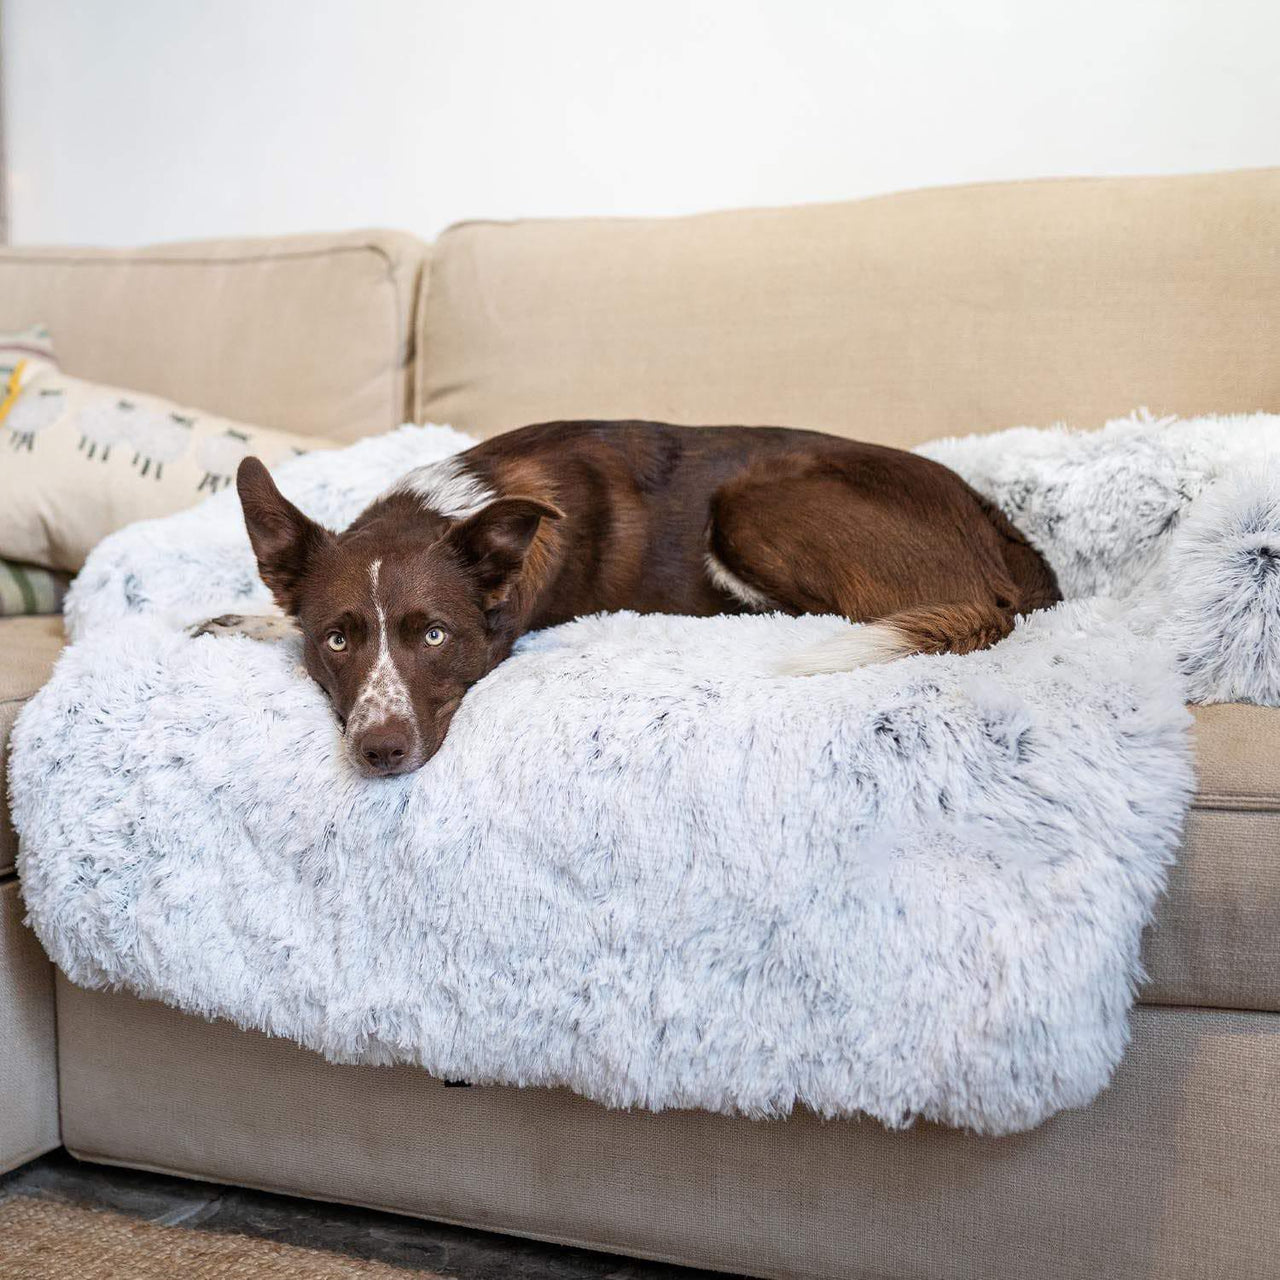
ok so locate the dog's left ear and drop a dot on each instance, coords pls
(284, 539)
(492, 544)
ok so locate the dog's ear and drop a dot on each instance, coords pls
(492, 544)
(284, 540)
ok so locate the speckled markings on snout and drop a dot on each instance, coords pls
(384, 696)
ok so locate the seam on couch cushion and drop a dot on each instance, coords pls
(1244, 802)
(417, 406)
(416, 357)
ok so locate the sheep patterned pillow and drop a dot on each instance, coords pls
(82, 459)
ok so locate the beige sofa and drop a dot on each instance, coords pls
(894, 320)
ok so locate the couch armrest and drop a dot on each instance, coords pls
(28, 1056)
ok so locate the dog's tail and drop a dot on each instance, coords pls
(930, 628)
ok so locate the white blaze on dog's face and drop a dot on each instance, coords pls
(400, 614)
(382, 718)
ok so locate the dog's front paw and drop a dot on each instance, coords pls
(270, 627)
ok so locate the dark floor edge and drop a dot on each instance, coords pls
(597, 1257)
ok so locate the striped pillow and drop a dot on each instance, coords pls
(27, 588)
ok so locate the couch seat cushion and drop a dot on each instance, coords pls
(1217, 936)
(1239, 757)
(28, 649)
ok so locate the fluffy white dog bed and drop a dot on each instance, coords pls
(644, 866)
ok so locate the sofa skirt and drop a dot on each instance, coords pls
(1174, 1172)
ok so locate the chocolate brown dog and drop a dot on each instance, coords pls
(429, 588)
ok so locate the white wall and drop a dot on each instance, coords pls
(140, 120)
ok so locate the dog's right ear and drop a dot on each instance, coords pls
(284, 539)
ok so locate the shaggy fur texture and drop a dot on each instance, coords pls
(642, 865)
(1214, 599)
(1099, 504)
(1180, 517)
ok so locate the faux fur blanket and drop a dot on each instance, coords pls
(643, 865)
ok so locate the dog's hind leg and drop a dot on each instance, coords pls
(914, 556)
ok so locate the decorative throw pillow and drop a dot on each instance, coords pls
(79, 460)
(27, 588)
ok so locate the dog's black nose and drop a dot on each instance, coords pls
(384, 750)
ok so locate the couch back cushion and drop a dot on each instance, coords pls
(894, 319)
(311, 334)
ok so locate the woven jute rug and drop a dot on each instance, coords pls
(45, 1240)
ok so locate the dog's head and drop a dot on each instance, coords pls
(400, 614)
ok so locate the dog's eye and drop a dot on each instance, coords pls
(336, 641)
(434, 636)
